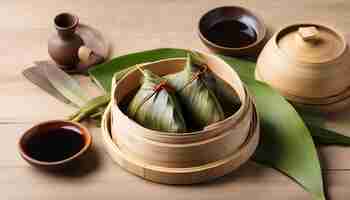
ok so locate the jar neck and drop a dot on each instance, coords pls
(66, 33)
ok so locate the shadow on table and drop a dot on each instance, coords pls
(248, 172)
(324, 166)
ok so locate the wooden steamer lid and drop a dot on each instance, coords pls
(309, 65)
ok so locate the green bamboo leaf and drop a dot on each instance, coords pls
(328, 137)
(99, 73)
(286, 144)
(244, 68)
(36, 75)
(91, 108)
(320, 132)
(66, 85)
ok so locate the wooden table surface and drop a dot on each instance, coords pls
(133, 26)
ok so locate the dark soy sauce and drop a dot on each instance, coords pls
(55, 145)
(231, 33)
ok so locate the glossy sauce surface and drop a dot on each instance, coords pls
(231, 33)
(55, 145)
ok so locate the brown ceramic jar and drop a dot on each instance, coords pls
(63, 46)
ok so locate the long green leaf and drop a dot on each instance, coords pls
(103, 73)
(286, 144)
(320, 132)
(92, 107)
(37, 76)
(66, 85)
(328, 137)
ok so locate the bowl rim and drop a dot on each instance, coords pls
(258, 18)
(83, 130)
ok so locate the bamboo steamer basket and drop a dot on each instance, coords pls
(183, 158)
(168, 175)
(309, 65)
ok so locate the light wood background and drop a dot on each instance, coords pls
(131, 26)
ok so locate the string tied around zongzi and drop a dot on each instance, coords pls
(163, 85)
(195, 94)
(155, 105)
(203, 68)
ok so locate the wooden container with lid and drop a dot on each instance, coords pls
(309, 65)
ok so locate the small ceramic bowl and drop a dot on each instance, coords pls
(45, 127)
(239, 14)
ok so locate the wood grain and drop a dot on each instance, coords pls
(131, 26)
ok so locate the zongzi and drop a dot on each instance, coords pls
(226, 95)
(196, 97)
(155, 105)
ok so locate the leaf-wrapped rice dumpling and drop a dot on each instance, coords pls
(226, 95)
(155, 105)
(198, 100)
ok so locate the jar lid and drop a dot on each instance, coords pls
(311, 43)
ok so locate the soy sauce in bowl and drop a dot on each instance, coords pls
(231, 33)
(55, 143)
